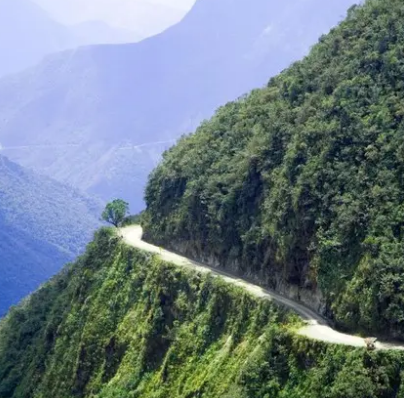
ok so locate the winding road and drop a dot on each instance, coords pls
(316, 327)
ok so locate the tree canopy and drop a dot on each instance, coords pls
(115, 212)
(301, 182)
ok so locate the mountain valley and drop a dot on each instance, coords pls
(43, 225)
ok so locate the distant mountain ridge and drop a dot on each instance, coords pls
(28, 34)
(108, 112)
(148, 17)
(43, 225)
(92, 32)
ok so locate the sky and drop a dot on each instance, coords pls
(144, 16)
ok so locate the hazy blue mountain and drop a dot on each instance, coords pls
(27, 34)
(92, 32)
(149, 17)
(43, 225)
(99, 117)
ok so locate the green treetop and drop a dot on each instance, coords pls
(115, 212)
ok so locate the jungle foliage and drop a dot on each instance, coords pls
(122, 323)
(304, 178)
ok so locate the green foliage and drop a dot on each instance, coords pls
(134, 219)
(115, 212)
(122, 323)
(303, 179)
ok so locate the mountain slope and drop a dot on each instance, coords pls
(148, 17)
(120, 323)
(299, 185)
(99, 117)
(43, 225)
(99, 32)
(27, 34)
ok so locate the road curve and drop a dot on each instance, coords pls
(316, 327)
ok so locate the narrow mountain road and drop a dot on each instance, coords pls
(316, 327)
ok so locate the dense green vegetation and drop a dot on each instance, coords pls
(303, 180)
(115, 212)
(43, 224)
(122, 323)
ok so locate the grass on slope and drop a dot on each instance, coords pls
(122, 323)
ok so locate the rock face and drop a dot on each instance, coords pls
(43, 225)
(99, 117)
(312, 298)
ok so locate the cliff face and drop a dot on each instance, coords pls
(99, 117)
(299, 184)
(311, 297)
(121, 323)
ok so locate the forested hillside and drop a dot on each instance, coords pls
(98, 118)
(43, 225)
(121, 323)
(300, 184)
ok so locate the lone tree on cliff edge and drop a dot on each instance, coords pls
(115, 212)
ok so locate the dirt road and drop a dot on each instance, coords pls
(316, 327)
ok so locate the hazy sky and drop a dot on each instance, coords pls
(145, 16)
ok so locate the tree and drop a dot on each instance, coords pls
(115, 212)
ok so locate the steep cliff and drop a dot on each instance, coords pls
(121, 323)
